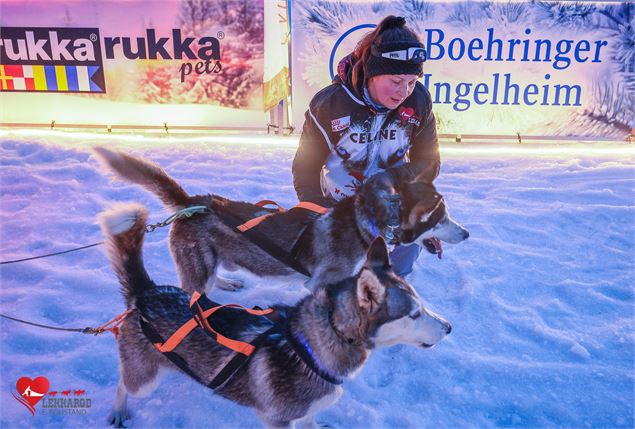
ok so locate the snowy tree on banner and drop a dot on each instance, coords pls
(613, 102)
(239, 82)
(159, 84)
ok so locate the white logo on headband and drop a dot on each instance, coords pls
(413, 55)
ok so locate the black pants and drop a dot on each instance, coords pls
(403, 258)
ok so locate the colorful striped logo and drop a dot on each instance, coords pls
(49, 78)
(38, 59)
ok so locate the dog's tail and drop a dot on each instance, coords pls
(124, 229)
(144, 173)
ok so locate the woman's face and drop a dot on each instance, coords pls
(390, 90)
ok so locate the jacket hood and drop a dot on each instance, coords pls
(345, 73)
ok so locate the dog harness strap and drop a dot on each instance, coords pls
(239, 360)
(203, 308)
(194, 298)
(252, 222)
(177, 360)
(264, 203)
(235, 345)
(299, 243)
(201, 319)
(178, 336)
(262, 241)
(311, 206)
(258, 220)
(254, 311)
(301, 205)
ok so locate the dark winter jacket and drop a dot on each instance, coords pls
(344, 141)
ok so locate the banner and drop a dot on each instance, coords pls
(180, 62)
(534, 68)
(277, 34)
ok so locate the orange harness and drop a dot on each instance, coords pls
(200, 320)
(203, 310)
(264, 241)
(257, 220)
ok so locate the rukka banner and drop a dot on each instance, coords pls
(534, 68)
(134, 62)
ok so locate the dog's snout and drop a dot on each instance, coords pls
(466, 234)
(448, 328)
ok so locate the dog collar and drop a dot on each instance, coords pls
(388, 234)
(305, 352)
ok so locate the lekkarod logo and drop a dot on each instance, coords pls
(69, 402)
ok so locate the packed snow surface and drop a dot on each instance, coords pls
(540, 296)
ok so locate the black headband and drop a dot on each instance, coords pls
(396, 58)
(412, 52)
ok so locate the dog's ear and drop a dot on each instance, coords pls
(370, 292)
(377, 256)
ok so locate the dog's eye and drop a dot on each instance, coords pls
(416, 314)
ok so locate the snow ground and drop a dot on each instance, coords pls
(541, 296)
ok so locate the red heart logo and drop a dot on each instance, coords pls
(31, 391)
(405, 113)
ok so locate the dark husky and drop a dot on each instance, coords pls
(336, 327)
(333, 247)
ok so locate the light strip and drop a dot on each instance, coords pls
(157, 139)
(540, 149)
(450, 149)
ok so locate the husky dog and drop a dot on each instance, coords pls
(336, 327)
(332, 247)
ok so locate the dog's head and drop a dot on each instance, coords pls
(424, 214)
(408, 212)
(378, 206)
(379, 308)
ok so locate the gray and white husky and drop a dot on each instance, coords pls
(333, 246)
(338, 325)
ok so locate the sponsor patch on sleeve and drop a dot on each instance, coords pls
(340, 123)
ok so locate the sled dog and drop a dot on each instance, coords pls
(331, 248)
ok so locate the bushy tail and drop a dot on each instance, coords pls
(144, 173)
(124, 229)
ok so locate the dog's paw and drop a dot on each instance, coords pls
(117, 418)
(228, 284)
